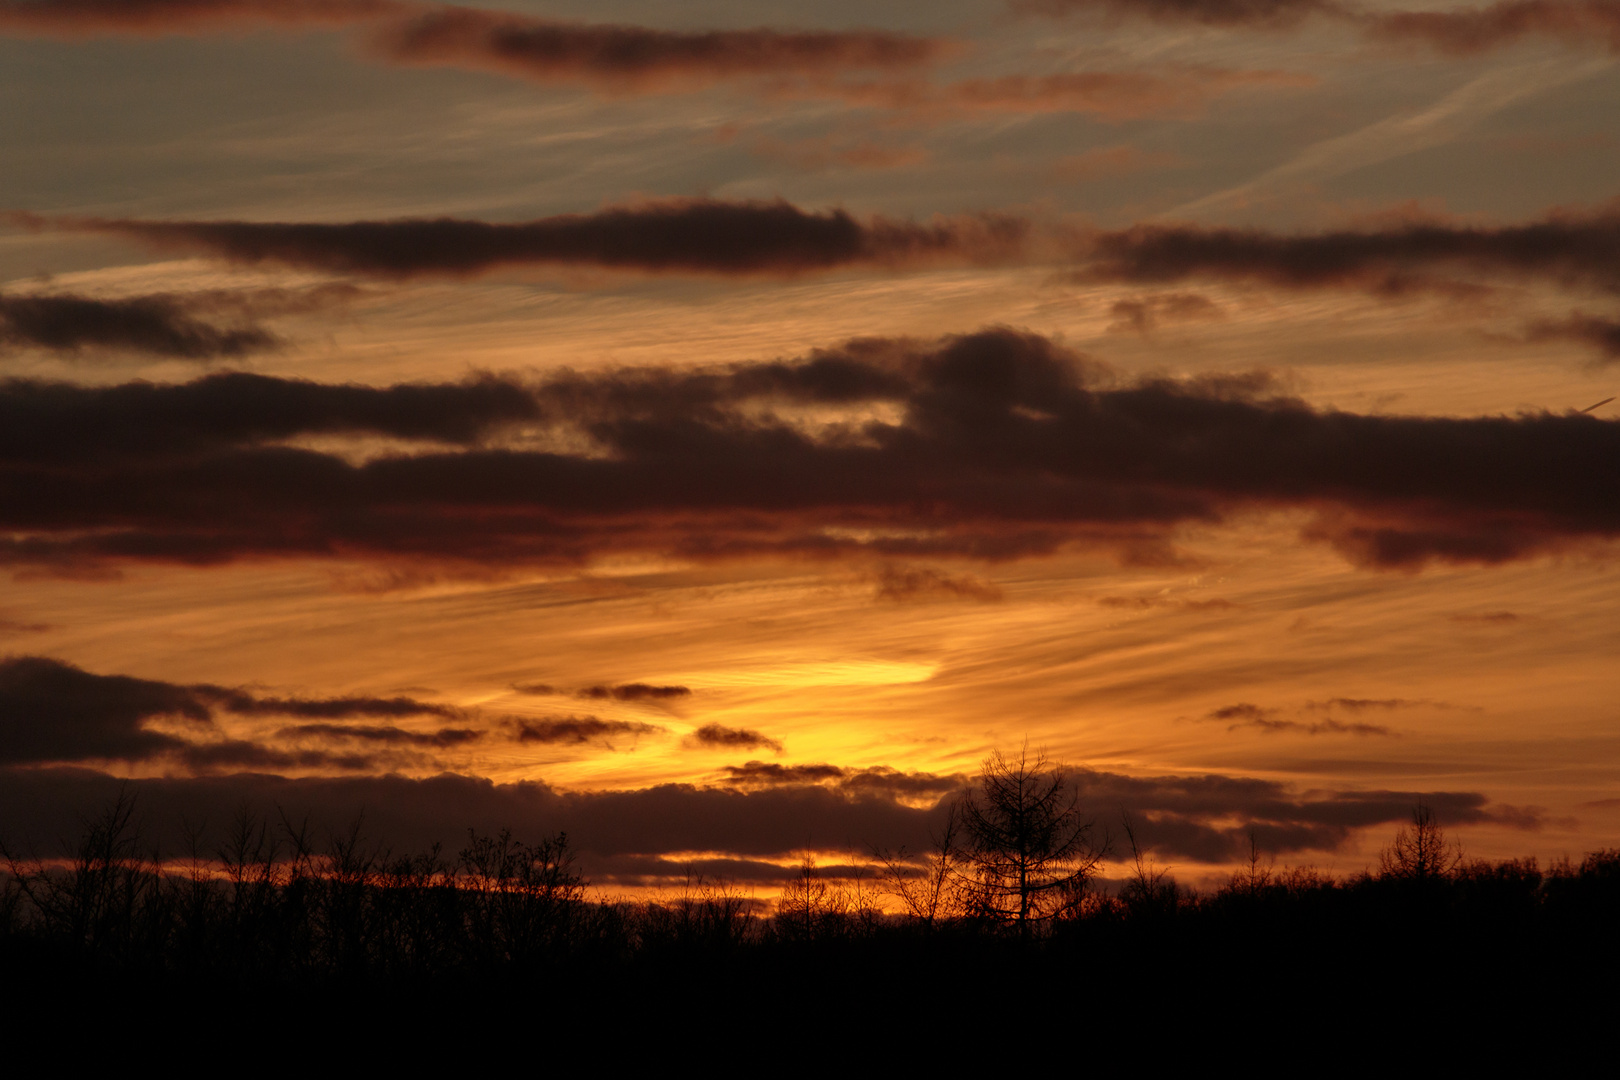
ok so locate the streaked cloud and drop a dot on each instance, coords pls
(687, 236)
(623, 58)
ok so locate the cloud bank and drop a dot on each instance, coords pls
(998, 445)
(1200, 818)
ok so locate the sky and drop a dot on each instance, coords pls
(712, 429)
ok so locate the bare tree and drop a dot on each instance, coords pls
(98, 902)
(1257, 875)
(810, 907)
(1150, 890)
(1420, 853)
(710, 913)
(520, 897)
(1028, 848)
(930, 891)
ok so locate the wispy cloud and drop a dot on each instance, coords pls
(1402, 133)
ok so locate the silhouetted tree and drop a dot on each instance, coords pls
(1149, 891)
(1256, 877)
(810, 907)
(520, 898)
(1028, 849)
(932, 891)
(1420, 853)
(709, 916)
(104, 898)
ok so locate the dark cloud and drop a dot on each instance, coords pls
(1142, 315)
(907, 584)
(1489, 617)
(1243, 711)
(237, 754)
(705, 236)
(875, 780)
(335, 708)
(536, 688)
(864, 67)
(998, 445)
(1251, 13)
(1570, 249)
(635, 692)
(74, 18)
(1193, 818)
(625, 57)
(50, 422)
(389, 735)
(1466, 30)
(613, 58)
(159, 325)
(578, 730)
(653, 870)
(1342, 727)
(770, 773)
(1142, 603)
(689, 236)
(1272, 721)
(39, 805)
(898, 784)
(720, 737)
(1379, 704)
(52, 711)
(1599, 332)
(1186, 816)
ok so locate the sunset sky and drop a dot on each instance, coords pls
(711, 428)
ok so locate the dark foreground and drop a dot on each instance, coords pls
(273, 933)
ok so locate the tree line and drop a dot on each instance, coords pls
(1016, 867)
